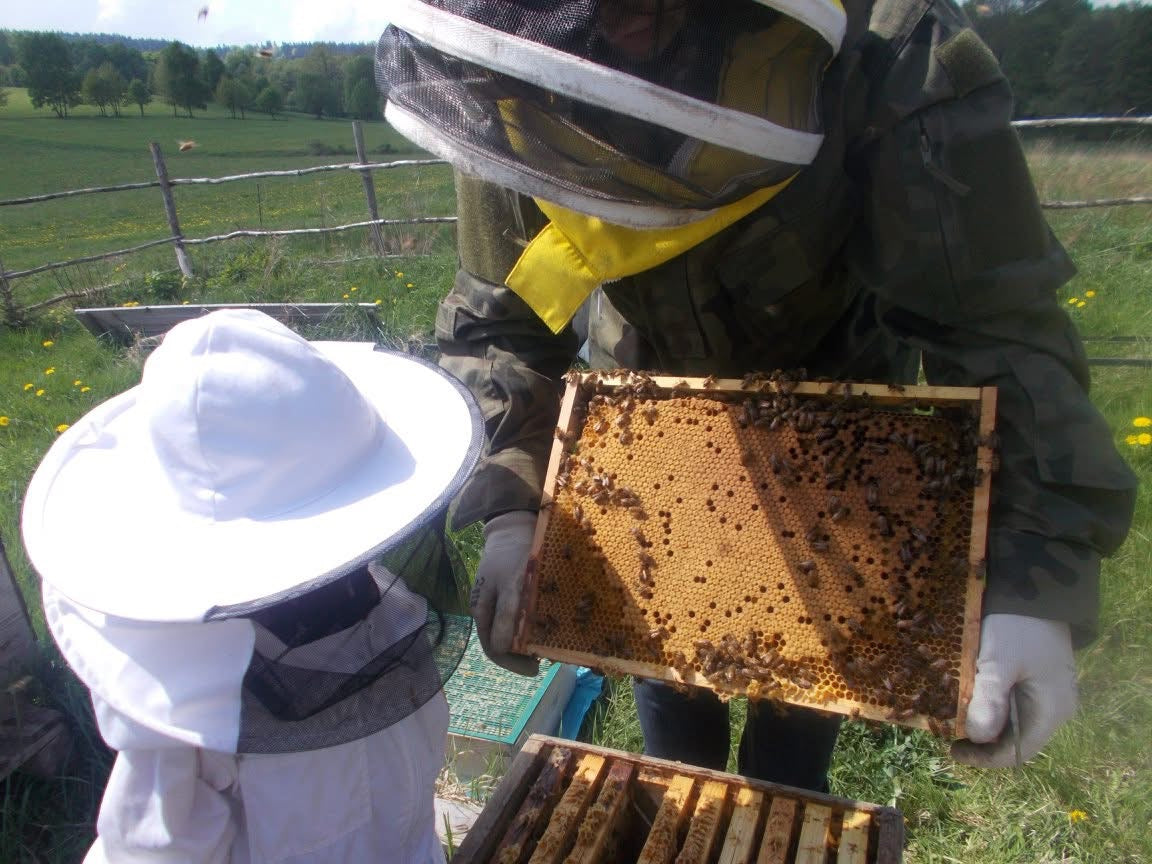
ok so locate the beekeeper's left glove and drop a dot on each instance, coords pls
(1034, 656)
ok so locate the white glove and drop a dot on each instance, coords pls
(1034, 656)
(496, 591)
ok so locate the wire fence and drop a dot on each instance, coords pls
(14, 313)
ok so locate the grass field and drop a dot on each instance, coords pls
(1087, 798)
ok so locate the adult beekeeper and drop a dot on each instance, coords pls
(737, 185)
(242, 558)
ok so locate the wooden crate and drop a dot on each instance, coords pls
(821, 544)
(573, 802)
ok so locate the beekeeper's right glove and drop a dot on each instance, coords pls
(499, 581)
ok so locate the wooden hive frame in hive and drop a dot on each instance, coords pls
(820, 544)
(563, 801)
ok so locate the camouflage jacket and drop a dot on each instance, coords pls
(915, 237)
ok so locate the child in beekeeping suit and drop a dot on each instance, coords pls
(242, 558)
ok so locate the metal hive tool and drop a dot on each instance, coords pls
(820, 544)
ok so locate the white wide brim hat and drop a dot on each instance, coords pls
(249, 466)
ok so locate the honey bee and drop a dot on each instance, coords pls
(266, 53)
(710, 382)
(600, 426)
(202, 14)
(187, 145)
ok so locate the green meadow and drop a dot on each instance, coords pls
(1086, 798)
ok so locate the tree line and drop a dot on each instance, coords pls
(1063, 57)
(61, 73)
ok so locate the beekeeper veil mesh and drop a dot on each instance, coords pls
(359, 654)
(646, 113)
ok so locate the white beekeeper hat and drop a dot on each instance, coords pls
(244, 551)
(245, 450)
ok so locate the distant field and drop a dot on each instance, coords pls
(41, 153)
(1086, 799)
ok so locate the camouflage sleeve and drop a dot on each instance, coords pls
(493, 342)
(957, 249)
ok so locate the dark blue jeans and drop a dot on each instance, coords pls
(781, 744)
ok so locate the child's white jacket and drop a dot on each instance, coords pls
(176, 795)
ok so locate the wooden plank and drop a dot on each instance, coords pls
(663, 837)
(16, 638)
(651, 766)
(854, 839)
(813, 845)
(777, 840)
(977, 553)
(36, 737)
(740, 840)
(705, 825)
(522, 635)
(570, 811)
(593, 840)
(889, 837)
(125, 324)
(486, 833)
(530, 822)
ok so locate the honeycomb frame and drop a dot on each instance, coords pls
(833, 549)
(569, 801)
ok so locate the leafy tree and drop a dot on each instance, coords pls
(104, 88)
(3, 97)
(129, 62)
(234, 94)
(360, 96)
(316, 95)
(7, 52)
(52, 80)
(178, 77)
(213, 70)
(138, 94)
(270, 101)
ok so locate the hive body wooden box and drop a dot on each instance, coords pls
(564, 801)
(817, 543)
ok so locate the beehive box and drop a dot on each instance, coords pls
(820, 544)
(564, 801)
(493, 711)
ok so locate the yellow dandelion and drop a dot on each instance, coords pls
(40, 392)
(1072, 301)
(377, 302)
(183, 302)
(77, 383)
(1081, 304)
(1132, 439)
(85, 389)
(1077, 816)
(1144, 439)
(51, 370)
(47, 343)
(62, 427)
(399, 274)
(3, 420)
(353, 288)
(1089, 293)
(345, 296)
(1141, 422)
(28, 386)
(410, 285)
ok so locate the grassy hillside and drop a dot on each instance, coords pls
(1087, 798)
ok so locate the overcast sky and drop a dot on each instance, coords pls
(228, 22)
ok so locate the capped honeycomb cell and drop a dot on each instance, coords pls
(817, 544)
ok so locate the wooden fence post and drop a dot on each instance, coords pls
(170, 209)
(369, 186)
(12, 313)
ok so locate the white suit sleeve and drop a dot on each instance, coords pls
(167, 805)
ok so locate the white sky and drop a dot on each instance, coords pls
(229, 22)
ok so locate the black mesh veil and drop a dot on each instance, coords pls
(360, 653)
(644, 112)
